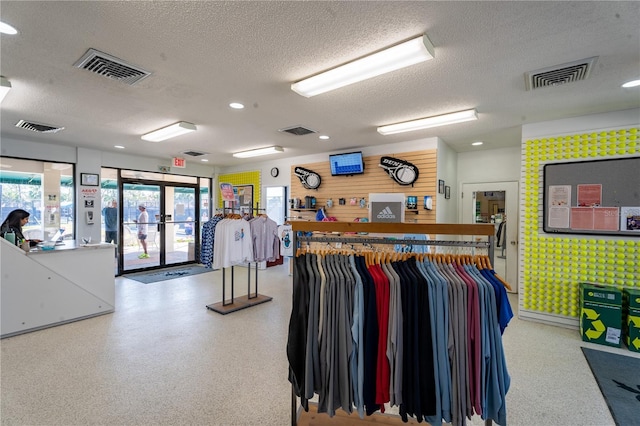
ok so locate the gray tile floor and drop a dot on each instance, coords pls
(164, 359)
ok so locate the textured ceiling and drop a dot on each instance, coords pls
(203, 55)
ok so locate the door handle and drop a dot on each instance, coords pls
(513, 243)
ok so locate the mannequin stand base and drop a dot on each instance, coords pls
(255, 300)
(238, 304)
(228, 307)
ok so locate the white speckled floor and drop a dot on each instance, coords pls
(164, 359)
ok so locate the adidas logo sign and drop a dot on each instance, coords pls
(386, 213)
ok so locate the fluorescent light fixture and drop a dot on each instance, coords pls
(632, 83)
(118, 146)
(236, 105)
(323, 137)
(7, 29)
(204, 160)
(177, 129)
(5, 86)
(393, 58)
(257, 152)
(478, 143)
(426, 123)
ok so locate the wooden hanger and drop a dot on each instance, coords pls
(483, 262)
(498, 277)
(504, 283)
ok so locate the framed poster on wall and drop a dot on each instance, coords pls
(89, 179)
(599, 197)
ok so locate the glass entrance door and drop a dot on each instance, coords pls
(180, 229)
(140, 228)
(159, 226)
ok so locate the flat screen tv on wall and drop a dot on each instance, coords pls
(350, 163)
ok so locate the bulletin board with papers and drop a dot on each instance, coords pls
(593, 197)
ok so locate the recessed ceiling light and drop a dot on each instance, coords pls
(632, 83)
(477, 143)
(324, 137)
(236, 105)
(118, 146)
(204, 159)
(7, 29)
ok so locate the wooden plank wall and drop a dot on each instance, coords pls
(374, 180)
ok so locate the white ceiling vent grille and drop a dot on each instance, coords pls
(560, 74)
(193, 153)
(111, 67)
(297, 130)
(38, 127)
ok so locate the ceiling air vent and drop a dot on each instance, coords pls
(193, 153)
(38, 127)
(297, 130)
(111, 67)
(559, 74)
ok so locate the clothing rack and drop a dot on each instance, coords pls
(224, 307)
(483, 230)
(257, 209)
(235, 304)
(230, 210)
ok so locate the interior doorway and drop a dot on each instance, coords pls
(496, 203)
(276, 202)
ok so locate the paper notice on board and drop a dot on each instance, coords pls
(630, 219)
(606, 218)
(560, 195)
(589, 195)
(246, 194)
(558, 217)
(581, 218)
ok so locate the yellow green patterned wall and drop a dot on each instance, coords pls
(242, 178)
(552, 266)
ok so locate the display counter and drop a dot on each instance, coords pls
(43, 288)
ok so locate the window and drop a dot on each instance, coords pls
(45, 190)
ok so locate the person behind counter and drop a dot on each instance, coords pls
(14, 223)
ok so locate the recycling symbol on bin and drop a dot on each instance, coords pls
(403, 172)
(308, 178)
(635, 320)
(598, 326)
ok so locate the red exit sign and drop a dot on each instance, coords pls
(179, 162)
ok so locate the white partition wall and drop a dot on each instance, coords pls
(43, 289)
